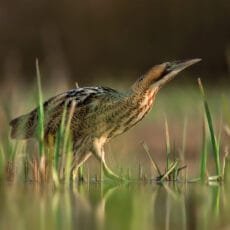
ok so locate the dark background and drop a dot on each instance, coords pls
(88, 39)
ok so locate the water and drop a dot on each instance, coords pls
(132, 206)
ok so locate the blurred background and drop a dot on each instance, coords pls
(85, 40)
(111, 43)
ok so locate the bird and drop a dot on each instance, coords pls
(98, 113)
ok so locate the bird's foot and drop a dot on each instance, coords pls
(111, 175)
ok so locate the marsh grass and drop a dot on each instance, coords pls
(106, 205)
(59, 155)
(40, 130)
(172, 168)
(55, 163)
(204, 154)
(213, 139)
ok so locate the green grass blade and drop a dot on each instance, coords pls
(67, 144)
(212, 133)
(59, 141)
(216, 201)
(204, 153)
(2, 162)
(58, 164)
(68, 162)
(175, 172)
(40, 112)
(184, 139)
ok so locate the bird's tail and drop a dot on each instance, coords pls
(23, 127)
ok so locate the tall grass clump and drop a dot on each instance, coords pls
(215, 145)
(54, 162)
(56, 172)
(67, 146)
(172, 167)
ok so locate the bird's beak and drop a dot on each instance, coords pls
(172, 69)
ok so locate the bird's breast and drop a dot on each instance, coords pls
(132, 114)
(144, 106)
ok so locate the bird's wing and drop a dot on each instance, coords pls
(86, 100)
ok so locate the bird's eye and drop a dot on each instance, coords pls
(141, 78)
(168, 66)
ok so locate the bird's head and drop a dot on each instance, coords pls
(159, 75)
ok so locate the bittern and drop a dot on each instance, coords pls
(100, 113)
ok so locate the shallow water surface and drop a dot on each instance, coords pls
(101, 206)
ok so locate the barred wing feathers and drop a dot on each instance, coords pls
(91, 102)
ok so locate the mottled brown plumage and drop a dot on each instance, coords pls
(100, 113)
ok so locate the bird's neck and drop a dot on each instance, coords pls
(143, 97)
(130, 110)
(142, 102)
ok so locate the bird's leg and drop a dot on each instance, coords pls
(81, 154)
(77, 162)
(99, 153)
(108, 172)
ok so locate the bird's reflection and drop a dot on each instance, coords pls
(104, 206)
(88, 205)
